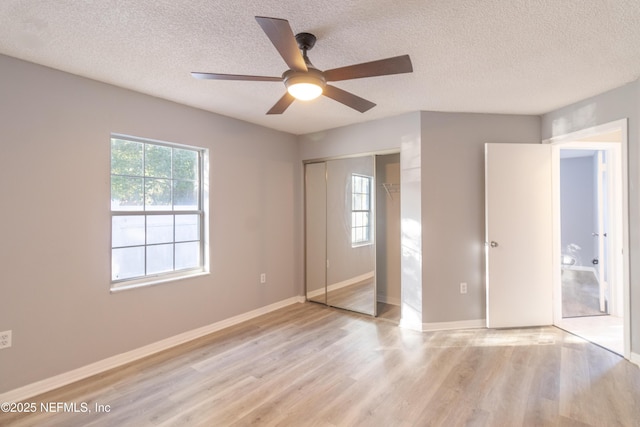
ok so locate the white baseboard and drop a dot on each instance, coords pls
(408, 324)
(112, 362)
(635, 358)
(579, 268)
(344, 283)
(442, 326)
(462, 324)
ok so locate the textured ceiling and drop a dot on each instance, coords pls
(491, 56)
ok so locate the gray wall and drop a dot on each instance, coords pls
(54, 187)
(453, 206)
(578, 204)
(616, 104)
(369, 137)
(442, 207)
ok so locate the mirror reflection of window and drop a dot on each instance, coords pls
(360, 209)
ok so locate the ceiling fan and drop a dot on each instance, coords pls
(305, 82)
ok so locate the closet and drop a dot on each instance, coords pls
(352, 232)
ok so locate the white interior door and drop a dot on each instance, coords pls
(519, 235)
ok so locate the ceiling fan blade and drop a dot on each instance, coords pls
(280, 33)
(348, 99)
(282, 104)
(382, 67)
(216, 76)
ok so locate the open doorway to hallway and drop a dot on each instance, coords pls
(591, 293)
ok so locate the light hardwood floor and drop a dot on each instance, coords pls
(310, 365)
(606, 331)
(360, 297)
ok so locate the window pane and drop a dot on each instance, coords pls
(365, 185)
(126, 193)
(187, 227)
(185, 164)
(358, 234)
(157, 194)
(159, 229)
(126, 157)
(362, 200)
(127, 263)
(185, 195)
(127, 230)
(157, 161)
(187, 255)
(159, 258)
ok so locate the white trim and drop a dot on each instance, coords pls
(461, 324)
(579, 268)
(572, 140)
(407, 324)
(112, 362)
(635, 358)
(343, 284)
(144, 282)
(589, 132)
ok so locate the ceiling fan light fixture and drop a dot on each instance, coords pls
(304, 86)
(304, 91)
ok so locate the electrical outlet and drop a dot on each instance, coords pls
(463, 287)
(5, 339)
(263, 278)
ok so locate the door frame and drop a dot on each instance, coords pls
(578, 140)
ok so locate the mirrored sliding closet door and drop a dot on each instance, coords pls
(340, 233)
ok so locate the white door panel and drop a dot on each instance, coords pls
(518, 202)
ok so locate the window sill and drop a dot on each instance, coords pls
(359, 245)
(146, 282)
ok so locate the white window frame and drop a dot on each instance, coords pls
(368, 210)
(201, 211)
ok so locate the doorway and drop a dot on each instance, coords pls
(590, 236)
(388, 249)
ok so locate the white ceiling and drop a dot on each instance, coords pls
(489, 56)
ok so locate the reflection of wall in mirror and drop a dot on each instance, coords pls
(346, 262)
(315, 233)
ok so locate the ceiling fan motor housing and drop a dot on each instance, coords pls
(306, 41)
(312, 76)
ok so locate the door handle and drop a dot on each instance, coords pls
(493, 244)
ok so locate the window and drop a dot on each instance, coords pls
(360, 209)
(157, 216)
